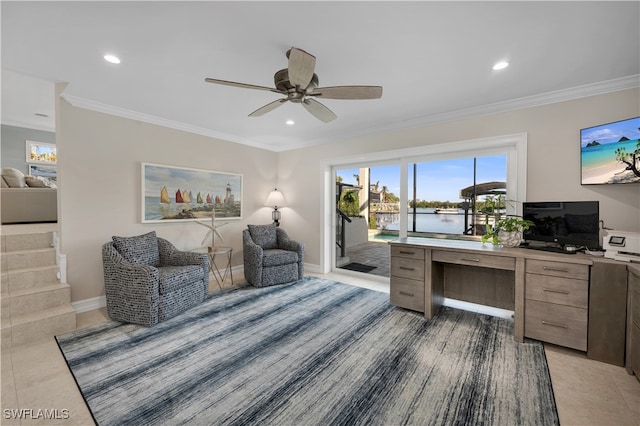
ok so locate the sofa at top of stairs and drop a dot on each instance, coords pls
(27, 199)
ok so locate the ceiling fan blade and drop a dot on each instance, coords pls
(301, 67)
(242, 85)
(348, 92)
(318, 110)
(268, 107)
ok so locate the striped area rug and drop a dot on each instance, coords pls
(315, 352)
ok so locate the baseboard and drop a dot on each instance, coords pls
(310, 267)
(89, 304)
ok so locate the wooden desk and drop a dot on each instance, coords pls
(633, 322)
(431, 269)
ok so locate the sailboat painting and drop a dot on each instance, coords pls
(164, 196)
(168, 194)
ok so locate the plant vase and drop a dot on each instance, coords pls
(510, 238)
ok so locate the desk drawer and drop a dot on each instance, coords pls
(473, 259)
(408, 252)
(407, 293)
(558, 324)
(407, 268)
(561, 291)
(558, 269)
(634, 350)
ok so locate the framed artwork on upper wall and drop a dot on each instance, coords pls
(43, 170)
(174, 194)
(40, 152)
(610, 153)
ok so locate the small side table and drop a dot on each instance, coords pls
(219, 275)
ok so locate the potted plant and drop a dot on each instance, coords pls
(507, 231)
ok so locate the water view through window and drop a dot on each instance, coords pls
(454, 196)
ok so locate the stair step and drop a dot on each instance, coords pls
(35, 305)
(22, 279)
(25, 259)
(37, 325)
(16, 242)
(25, 301)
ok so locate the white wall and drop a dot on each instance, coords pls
(553, 157)
(99, 158)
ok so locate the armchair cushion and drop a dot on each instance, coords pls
(275, 257)
(141, 249)
(172, 278)
(264, 235)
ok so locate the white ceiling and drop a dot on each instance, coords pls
(433, 59)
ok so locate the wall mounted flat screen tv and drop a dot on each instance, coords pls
(574, 223)
(610, 153)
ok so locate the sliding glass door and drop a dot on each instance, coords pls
(367, 203)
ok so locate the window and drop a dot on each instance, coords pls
(455, 196)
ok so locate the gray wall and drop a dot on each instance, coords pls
(14, 145)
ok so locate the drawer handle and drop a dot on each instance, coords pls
(546, 268)
(470, 260)
(407, 269)
(407, 252)
(550, 290)
(554, 324)
(405, 293)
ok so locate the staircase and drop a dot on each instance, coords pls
(35, 305)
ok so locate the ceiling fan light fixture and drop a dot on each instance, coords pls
(112, 59)
(500, 65)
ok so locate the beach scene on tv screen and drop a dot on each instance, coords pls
(610, 153)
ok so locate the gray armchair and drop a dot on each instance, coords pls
(270, 257)
(147, 280)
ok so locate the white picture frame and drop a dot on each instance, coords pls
(41, 152)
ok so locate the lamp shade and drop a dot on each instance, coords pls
(275, 199)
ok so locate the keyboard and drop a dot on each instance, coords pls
(551, 249)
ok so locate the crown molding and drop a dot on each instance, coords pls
(152, 119)
(587, 90)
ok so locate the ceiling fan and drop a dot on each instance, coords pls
(299, 84)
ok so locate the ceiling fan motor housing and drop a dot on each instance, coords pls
(282, 83)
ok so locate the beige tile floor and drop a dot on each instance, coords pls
(35, 376)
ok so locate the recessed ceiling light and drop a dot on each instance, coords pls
(112, 59)
(500, 65)
(290, 122)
